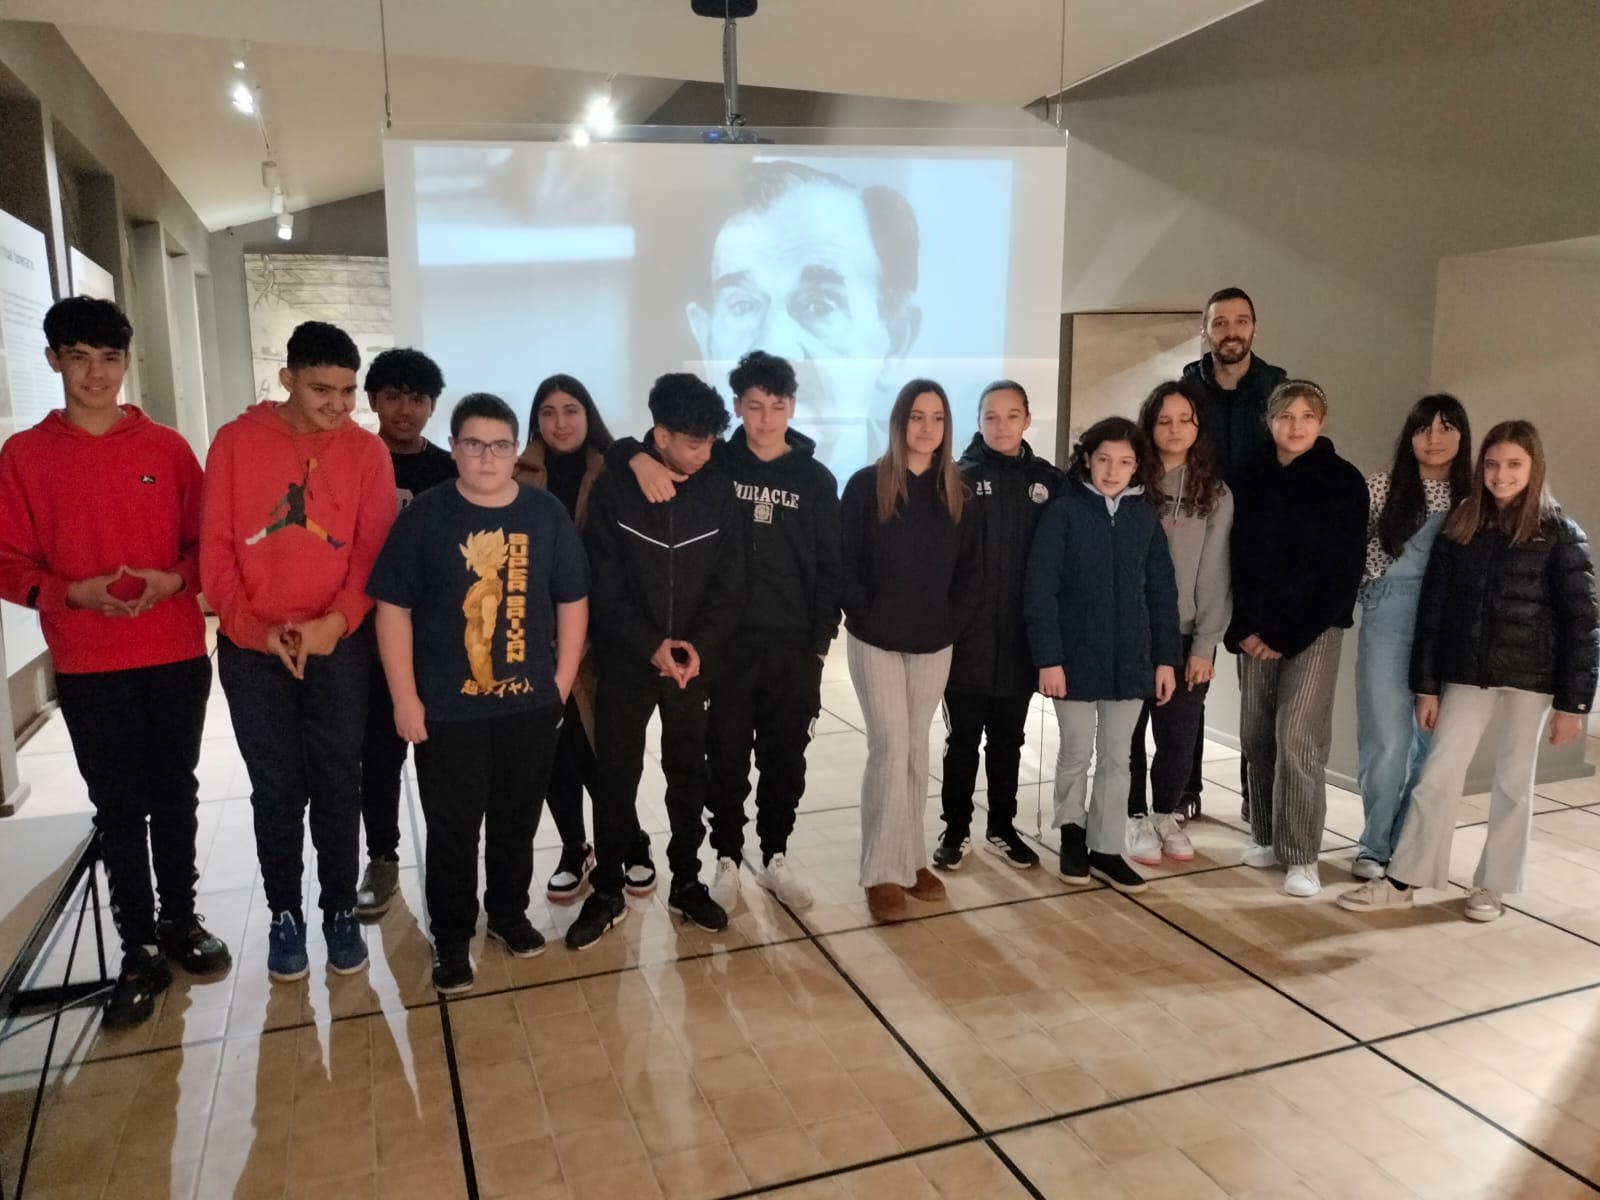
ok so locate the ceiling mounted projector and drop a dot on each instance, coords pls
(724, 10)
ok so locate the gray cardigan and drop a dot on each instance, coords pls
(1199, 548)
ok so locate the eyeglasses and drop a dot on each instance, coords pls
(473, 448)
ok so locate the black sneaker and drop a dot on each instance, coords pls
(1114, 870)
(1074, 866)
(1189, 806)
(1010, 846)
(452, 970)
(517, 935)
(952, 848)
(187, 943)
(694, 904)
(576, 863)
(133, 998)
(638, 870)
(379, 883)
(599, 913)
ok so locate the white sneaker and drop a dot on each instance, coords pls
(779, 878)
(1484, 905)
(1175, 843)
(1260, 857)
(1143, 844)
(725, 884)
(1303, 881)
(1376, 894)
(1368, 868)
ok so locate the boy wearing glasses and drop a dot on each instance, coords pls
(476, 584)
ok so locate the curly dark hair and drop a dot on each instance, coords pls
(85, 321)
(771, 374)
(1201, 486)
(686, 404)
(404, 370)
(318, 344)
(1117, 429)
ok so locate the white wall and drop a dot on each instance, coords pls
(1520, 337)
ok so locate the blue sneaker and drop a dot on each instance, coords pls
(286, 949)
(347, 948)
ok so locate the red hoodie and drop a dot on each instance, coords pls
(74, 505)
(293, 523)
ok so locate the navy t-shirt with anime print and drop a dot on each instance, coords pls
(482, 585)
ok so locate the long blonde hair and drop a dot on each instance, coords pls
(1524, 518)
(893, 467)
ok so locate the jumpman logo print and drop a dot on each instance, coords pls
(293, 508)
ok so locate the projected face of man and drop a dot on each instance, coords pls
(801, 279)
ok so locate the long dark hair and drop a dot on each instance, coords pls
(892, 467)
(1406, 506)
(1116, 429)
(1524, 519)
(598, 437)
(1201, 487)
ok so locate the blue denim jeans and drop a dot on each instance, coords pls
(1390, 747)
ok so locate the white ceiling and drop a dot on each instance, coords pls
(1576, 250)
(166, 64)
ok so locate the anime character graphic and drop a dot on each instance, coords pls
(486, 553)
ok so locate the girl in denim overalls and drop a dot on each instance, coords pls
(1432, 473)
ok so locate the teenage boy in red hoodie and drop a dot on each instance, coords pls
(298, 500)
(99, 531)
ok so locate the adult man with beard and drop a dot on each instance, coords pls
(1233, 381)
(1233, 385)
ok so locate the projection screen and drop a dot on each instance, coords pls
(865, 265)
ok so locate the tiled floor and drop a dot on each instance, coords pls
(1209, 1038)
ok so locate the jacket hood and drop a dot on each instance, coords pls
(800, 448)
(133, 421)
(1203, 369)
(978, 454)
(265, 415)
(1314, 463)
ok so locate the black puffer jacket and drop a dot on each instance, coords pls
(1493, 614)
(1008, 494)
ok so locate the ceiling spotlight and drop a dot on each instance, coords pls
(238, 64)
(244, 99)
(285, 226)
(602, 117)
(277, 202)
(580, 137)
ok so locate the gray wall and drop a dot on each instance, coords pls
(1325, 156)
(354, 226)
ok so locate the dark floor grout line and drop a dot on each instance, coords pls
(911, 1053)
(1017, 1172)
(1240, 967)
(1487, 1120)
(462, 1132)
(1509, 1006)
(1032, 1123)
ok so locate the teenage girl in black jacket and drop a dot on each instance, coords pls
(1507, 627)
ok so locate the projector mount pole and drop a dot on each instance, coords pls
(731, 116)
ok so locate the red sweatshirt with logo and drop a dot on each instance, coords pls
(74, 505)
(293, 523)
